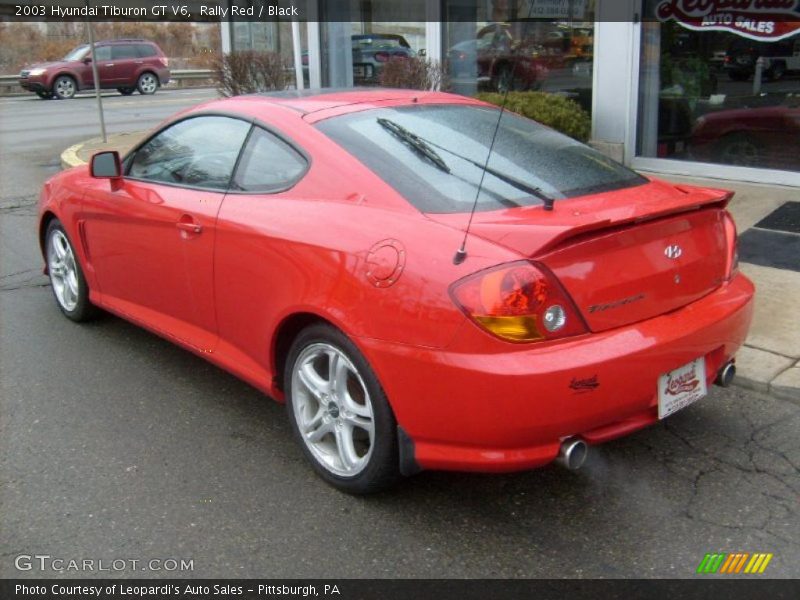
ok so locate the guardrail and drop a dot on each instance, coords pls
(9, 84)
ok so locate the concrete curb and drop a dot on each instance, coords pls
(70, 158)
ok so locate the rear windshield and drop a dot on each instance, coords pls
(434, 156)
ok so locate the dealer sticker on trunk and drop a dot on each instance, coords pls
(681, 387)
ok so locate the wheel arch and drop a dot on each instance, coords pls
(44, 223)
(285, 334)
(69, 74)
(145, 71)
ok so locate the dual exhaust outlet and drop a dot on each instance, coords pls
(573, 451)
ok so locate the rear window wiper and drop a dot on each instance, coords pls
(416, 143)
(510, 180)
(426, 148)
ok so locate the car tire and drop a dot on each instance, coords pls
(739, 149)
(346, 429)
(504, 79)
(64, 87)
(777, 71)
(45, 95)
(66, 276)
(147, 83)
(126, 91)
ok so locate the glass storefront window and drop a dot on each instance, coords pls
(520, 45)
(718, 97)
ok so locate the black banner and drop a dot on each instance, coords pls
(733, 588)
(742, 13)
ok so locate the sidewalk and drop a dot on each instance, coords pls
(770, 360)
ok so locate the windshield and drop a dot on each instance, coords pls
(78, 53)
(434, 156)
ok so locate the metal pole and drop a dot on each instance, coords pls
(758, 76)
(298, 57)
(96, 80)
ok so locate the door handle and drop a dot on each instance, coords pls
(189, 227)
(108, 65)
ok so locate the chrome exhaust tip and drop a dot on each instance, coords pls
(572, 454)
(726, 375)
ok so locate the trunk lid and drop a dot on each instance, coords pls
(624, 256)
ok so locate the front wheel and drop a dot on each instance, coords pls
(64, 87)
(147, 84)
(66, 277)
(339, 412)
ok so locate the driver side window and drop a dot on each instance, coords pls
(197, 152)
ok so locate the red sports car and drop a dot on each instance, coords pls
(309, 243)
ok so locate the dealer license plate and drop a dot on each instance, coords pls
(362, 71)
(681, 387)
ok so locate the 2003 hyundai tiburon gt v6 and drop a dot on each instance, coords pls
(310, 244)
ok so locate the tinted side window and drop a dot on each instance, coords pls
(123, 51)
(197, 152)
(102, 53)
(268, 164)
(146, 50)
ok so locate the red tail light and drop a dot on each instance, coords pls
(733, 247)
(382, 56)
(518, 302)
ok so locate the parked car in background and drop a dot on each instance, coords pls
(372, 51)
(749, 137)
(126, 65)
(780, 58)
(498, 60)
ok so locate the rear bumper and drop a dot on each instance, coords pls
(506, 407)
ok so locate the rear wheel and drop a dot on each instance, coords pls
(66, 277)
(339, 412)
(740, 149)
(126, 91)
(147, 84)
(64, 87)
(777, 71)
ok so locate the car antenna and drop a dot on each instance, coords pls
(461, 253)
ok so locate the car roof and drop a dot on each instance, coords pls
(342, 100)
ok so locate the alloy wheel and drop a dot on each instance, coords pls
(63, 271)
(148, 83)
(333, 410)
(65, 87)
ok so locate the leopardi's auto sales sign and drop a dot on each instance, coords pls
(763, 20)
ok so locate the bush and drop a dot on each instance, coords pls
(247, 72)
(558, 112)
(414, 73)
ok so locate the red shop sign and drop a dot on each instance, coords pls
(765, 20)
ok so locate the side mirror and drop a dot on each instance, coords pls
(106, 165)
(87, 60)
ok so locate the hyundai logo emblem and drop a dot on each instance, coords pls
(673, 251)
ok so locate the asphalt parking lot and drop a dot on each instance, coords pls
(115, 444)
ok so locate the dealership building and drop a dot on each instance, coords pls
(712, 95)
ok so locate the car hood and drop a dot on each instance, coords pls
(49, 65)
